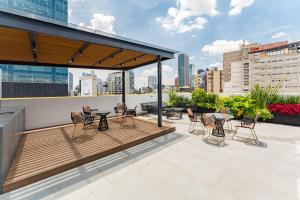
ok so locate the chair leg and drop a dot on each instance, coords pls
(122, 121)
(254, 136)
(73, 134)
(190, 127)
(234, 133)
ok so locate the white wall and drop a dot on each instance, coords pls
(46, 112)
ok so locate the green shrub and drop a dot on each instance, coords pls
(176, 100)
(244, 106)
(240, 105)
(203, 99)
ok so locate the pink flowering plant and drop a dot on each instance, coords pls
(285, 109)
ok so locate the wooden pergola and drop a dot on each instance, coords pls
(28, 41)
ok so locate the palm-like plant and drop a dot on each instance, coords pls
(264, 96)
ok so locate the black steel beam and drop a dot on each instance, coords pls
(34, 47)
(123, 88)
(108, 57)
(91, 36)
(131, 59)
(159, 93)
(78, 53)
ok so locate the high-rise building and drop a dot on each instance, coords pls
(270, 64)
(214, 80)
(100, 86)
(28, 81)
(88, 85)
(131, 81)
(114, 82)
(192, 73)
(176, 82)
(70, 81)
(152, 82)
(183, 70)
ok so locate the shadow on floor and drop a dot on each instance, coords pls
(79, 177)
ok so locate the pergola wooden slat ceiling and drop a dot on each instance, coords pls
(30, 41)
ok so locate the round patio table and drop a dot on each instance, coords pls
(220, 118)
(103, 125)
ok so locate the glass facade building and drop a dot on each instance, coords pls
(13, 76)
(183, 70)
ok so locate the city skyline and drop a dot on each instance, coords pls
(227, 25)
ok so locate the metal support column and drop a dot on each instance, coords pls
(159, 94)
(123, 88)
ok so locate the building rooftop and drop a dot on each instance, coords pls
(181, 166)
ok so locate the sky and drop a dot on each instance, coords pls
(203, 29)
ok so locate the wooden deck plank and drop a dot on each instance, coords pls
(47, 152)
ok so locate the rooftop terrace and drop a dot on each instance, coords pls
(181, 166)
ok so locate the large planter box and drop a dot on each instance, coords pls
(285, 119)
(203, 110)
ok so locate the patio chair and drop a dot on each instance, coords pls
(81, 123)
(88, 115)
(193, 120)
(123, 113)
(208, 122)
(226, 110)
(248, 123)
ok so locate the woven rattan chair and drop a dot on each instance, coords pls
(88, 112)
(123, 113)
(208, 122)
(193, 119)
(81, 124)
(247, 123)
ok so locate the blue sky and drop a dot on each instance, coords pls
(204, 29)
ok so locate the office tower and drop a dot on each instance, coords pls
(176, 83)
(88, 85)
(269, 64)
(183, 70)
(70, 81)
(131, 81)
(114, 82)
(28, 81)
(152, 82)
(100, 86)
(192, 73)
(214, 80)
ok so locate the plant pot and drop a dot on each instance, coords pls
(285, 119)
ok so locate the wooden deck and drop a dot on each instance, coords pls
(44, 153)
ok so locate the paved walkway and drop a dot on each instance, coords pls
(181, 166)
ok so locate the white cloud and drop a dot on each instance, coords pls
(192, 57)
(236, 6)
(188, 15)
(217, 64)
(279, 35)
(168, 76)
(219, 47)
(103, 22)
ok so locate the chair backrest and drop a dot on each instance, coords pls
(190, 114)
(120, 108)
(250, 121)
(207, 119)
(76, 117)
